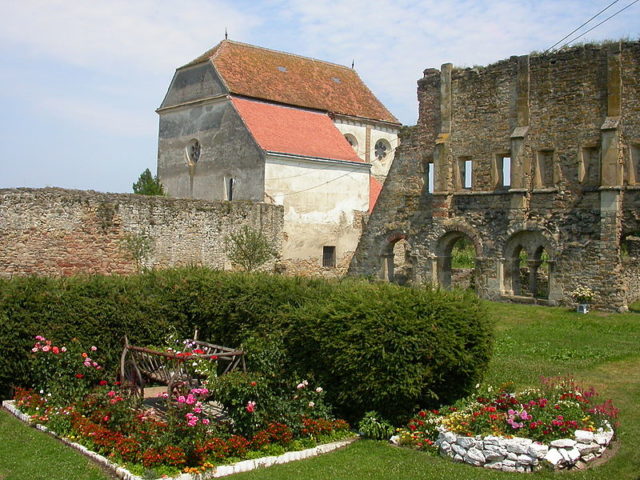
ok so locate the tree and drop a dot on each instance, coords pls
(147, 184)
(249, 248)
(137, 247)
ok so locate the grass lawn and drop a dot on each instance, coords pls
(598, 349)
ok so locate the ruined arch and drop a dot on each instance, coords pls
(396, 260)
(528, 264)
(630, 263)
(444, 261)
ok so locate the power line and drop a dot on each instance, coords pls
(597, 25)
(574, 31)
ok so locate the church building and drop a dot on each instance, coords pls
(242, 122)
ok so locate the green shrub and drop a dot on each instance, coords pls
(370, 346)
(392, 349)
(375, 427)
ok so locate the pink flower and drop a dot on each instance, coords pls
(105, 418)
(94, 348)
(111, 393)
(40, 338)
(55, 350)
(190, 400)
(63, 349)
(34, 349)
(251, 406)
(197, 410)
(300, 386)
(181, 399)
(46, 348)
(205, 421)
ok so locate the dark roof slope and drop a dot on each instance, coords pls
(294, 80)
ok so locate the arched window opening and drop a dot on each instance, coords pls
(396, 262)
(527, 266)
(463, 264)
(630, 260)
(521, 287)
(456, 261)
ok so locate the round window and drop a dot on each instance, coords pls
(382, 149)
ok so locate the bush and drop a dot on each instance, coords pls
(375, 427)
(370, 346)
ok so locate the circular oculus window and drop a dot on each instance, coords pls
(382, 149)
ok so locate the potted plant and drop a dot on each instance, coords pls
(583, 296)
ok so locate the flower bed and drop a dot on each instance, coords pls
(216, 472)
(263, 418)
(560, 424)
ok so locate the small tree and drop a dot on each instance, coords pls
(137, 247)
(249, 248)
(147, 184)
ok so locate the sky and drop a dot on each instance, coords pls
(80, 80)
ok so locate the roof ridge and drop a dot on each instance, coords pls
(285, 53)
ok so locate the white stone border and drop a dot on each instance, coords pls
(220, 471)
(523, 454)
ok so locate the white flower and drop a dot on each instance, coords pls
(311, 404)
(319, 390)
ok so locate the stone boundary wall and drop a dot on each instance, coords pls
(54, 231)
(522, 454)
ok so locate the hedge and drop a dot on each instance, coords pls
(373, 346)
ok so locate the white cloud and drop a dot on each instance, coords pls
(99, 117)
(131, 35)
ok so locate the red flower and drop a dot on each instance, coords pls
(213, 357)
(253, 384)
(79, 375)
(422, 413)
(55, 350)
(198, 351)
(103, 382)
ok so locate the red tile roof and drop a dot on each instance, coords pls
(277, 128)
(375, 187)
(294, 80)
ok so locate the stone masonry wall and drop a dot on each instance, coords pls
(567, 125)
(53, 231)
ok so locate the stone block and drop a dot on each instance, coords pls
(553, 457)
(474, 457)
(466, 442)
(538, 450)
(584, 436)
(563, 443)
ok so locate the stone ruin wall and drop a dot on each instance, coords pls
(53, 231)
(570, 123)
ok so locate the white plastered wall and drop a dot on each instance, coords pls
(324, 202)
(358, 130)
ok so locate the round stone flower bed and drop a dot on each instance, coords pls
(522, 454)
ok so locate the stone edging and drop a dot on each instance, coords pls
(522, 454)
(220, 471)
